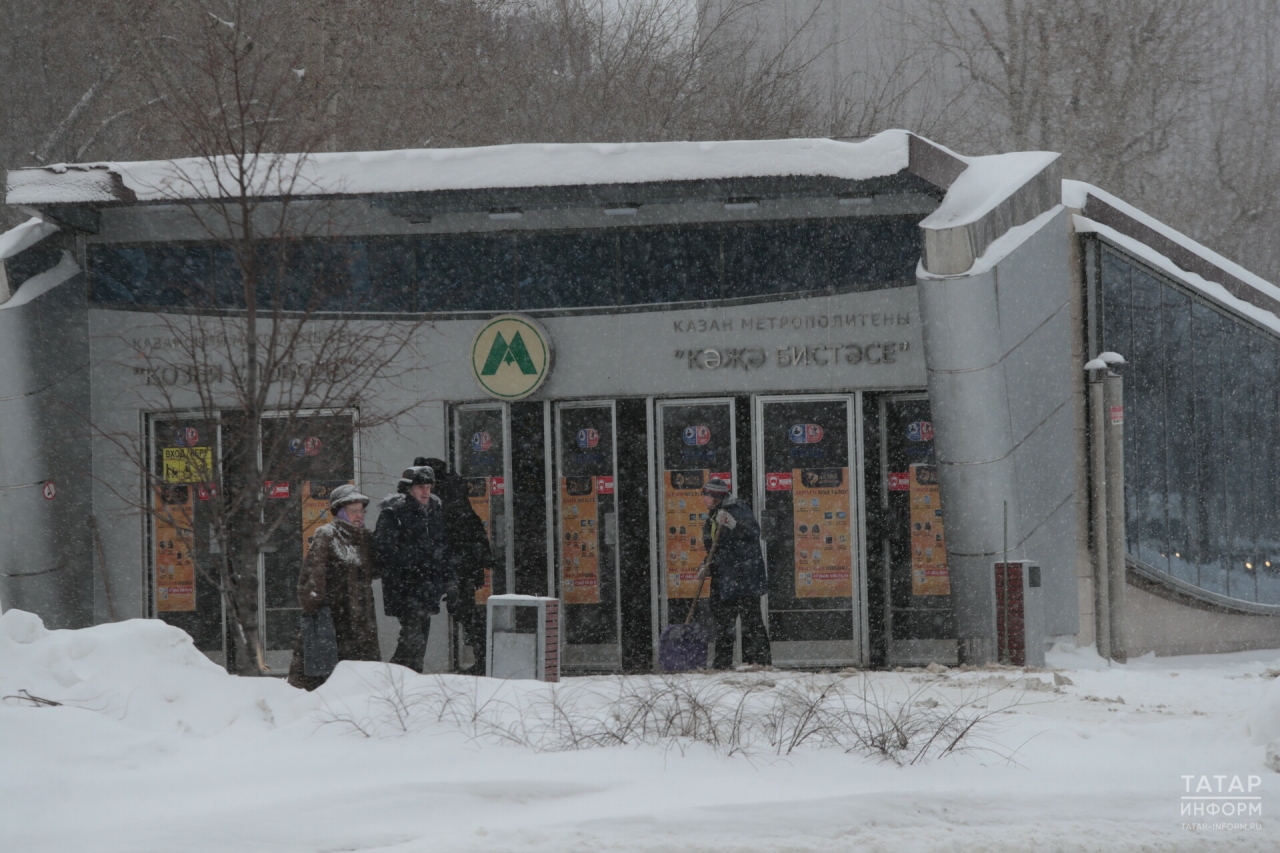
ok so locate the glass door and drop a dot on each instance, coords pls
(809, 477)
(481, 456)
(919, 614)
(587, 534)
(304, 458)
(185, 570)
(696, 441)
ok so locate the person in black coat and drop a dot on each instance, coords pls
(411, 550)
(737, 573)
(470, 553)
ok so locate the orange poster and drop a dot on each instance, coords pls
(684, 516)
(580, 548)
(929, 573)
(175, 564)
(823, 533)
(315, 508)
(478, 494)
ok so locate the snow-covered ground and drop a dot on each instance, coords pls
(155, 749)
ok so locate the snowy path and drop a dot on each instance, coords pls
(169, 754)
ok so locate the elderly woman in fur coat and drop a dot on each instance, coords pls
(339, 574)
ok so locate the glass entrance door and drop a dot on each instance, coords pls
(304, 459)
(696, 442)
(809, 477)
(587, 534)
(919, 615)
(482, 457)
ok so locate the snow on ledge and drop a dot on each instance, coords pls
(24, 236)
(500, 166)
(1075, 195)
(1001, 248)
(985, 183)
(1215, 291)
(39, 285)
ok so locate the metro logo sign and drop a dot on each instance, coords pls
(588, 437)
(697, 435)
(805, 433)
(481, 441)
(778, 482)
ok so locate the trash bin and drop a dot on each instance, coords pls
(1019, 613)
(523, 637)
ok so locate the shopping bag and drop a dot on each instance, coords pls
(319, 644)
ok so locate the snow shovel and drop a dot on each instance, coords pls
(684, 647)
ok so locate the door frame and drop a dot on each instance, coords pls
(857, 494)
(508, 538)
(283, 656)
(656, 491)
(556, 550)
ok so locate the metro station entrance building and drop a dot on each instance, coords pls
(878, 344)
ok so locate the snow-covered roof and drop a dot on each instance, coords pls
(1196, 265)
(430, 170)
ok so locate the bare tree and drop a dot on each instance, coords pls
(266, 322)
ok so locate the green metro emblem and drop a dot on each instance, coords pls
(513, 353)
(510, 356)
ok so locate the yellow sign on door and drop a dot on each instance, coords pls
(174, 539)
(187, 464)
(929, 572)
(580, 547)
(682, 539)
(823, 533)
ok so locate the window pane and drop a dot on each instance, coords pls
(158, 275)
(1206, 333)
(677, 265)
(1266, 488)
(566, 270)
(869, 253)
(1179, 434)
(471, 273)
(778, 258)
(1145, 467)
(1238, 441)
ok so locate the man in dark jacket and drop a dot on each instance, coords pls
(470, 553)
(731, 536)
(411, 550)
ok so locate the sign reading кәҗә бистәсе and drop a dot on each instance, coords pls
(511, 357)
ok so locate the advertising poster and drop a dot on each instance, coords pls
(929, 574)
(823, 533)
(315, 508)
(683, 536)
(175, 565)
(581, 546)
(478, 492)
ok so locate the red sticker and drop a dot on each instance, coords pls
(778, 482)
(50, 491)
(276, 490)
(604, 485)
(1117, 415)
(899, 481)
(725, 476)
(497, 486)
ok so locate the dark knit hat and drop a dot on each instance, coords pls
(716, 488)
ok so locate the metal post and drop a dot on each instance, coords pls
(1113, 397)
